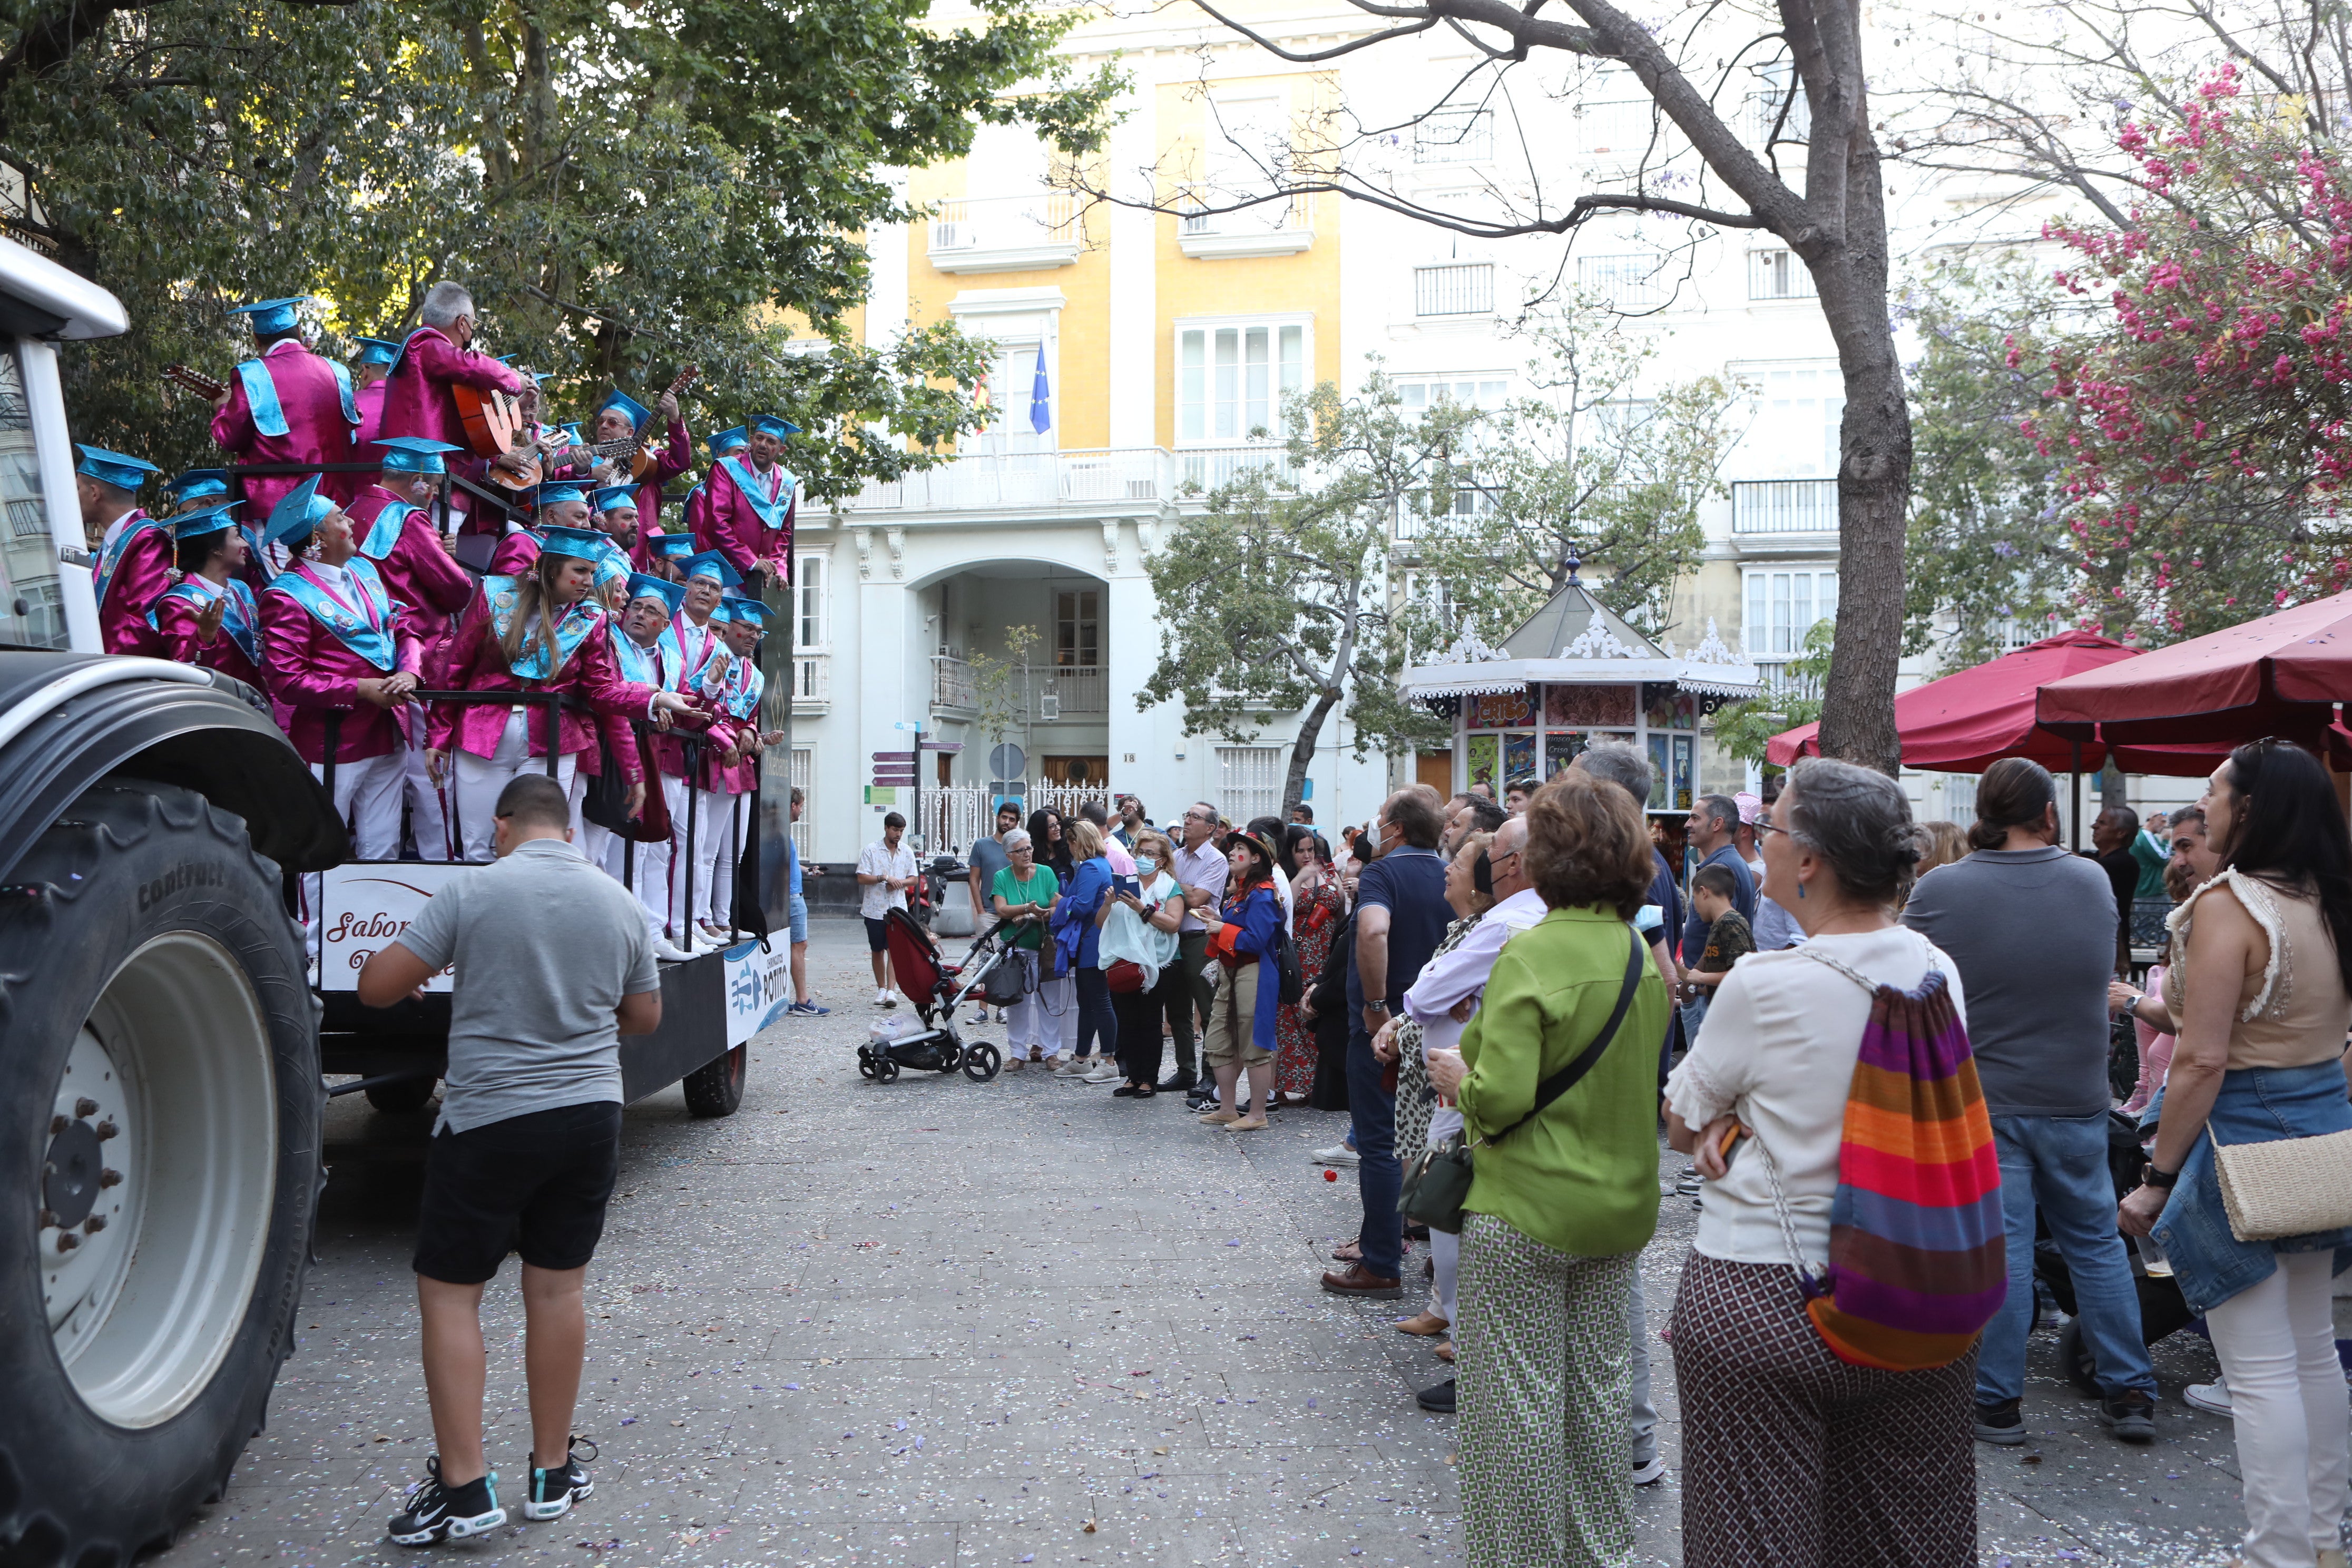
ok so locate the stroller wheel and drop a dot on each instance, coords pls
(981, 1062)
(885, 1070)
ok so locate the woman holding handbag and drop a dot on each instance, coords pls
(1140, 947)
(1792, 1454)
(2249, 1187)
(1241, 1016)
(1024, 891)
(1556, 1081)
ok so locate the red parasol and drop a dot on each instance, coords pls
(2281, 675)
(1973, 717)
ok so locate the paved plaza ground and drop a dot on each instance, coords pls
(939, 1322)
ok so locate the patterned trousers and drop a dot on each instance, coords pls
(1544, 1377)
(1791, 1455)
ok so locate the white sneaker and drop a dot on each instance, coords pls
(884, 999)
(669, 952)
(1002, 1016)
(1337, 1154)
(1648, 1471)
(1103, 1073)
(2213, 1398)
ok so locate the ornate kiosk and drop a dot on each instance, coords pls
(1571, 674)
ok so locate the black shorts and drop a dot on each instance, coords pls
(878, 935)
(535, 1184)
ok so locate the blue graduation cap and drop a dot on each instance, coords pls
(747, 612)
(271, 315)
(585, 544)
(116, 468)
(638, 411)
(378, 350)
(612, 564)
(555, 492)
(677, 547)
(612, 495)
(710, 563)
(723, 442)
(209, 520)
(573, 434)
(301, 510)
(413, 454)
(771, 425)
(196, 484)
(672, 594)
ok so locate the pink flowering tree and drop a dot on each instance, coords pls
(2201, 440)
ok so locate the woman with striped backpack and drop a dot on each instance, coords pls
(1850, 1245)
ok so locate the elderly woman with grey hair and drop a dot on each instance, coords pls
(1791, 1455)
(1024, 891)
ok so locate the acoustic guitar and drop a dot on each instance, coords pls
(204, 387)
(641, 461)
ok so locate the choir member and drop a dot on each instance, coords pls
(288, 405)
(210, 617)
(748, 505)
(134, 552)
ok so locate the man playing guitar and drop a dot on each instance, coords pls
(419, 396)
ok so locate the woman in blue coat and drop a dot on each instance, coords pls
(1078, 918)
(1241, 1018)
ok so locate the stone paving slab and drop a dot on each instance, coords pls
(942, 1324)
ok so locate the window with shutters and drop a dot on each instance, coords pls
(1231, 379)
(1249, 782)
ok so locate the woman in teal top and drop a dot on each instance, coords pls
(1563, 1202)
(1024, 891)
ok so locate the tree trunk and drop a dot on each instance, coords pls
(1302, 750)
(1873, 475)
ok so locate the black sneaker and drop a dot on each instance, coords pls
(1438, 1401)
(439, 1512)
(1999, 1423)
(553, 1492)
(2130, 1416)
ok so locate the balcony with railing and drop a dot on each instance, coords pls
(1273, 227)
(1454, 289)
(1102, 481)
(1040, 693)
(1006, 234)
(1784, 506)
(812, 682)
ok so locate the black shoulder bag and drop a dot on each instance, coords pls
(1437, 1181)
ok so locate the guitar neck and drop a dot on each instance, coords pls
(202, 385)
(685, 378)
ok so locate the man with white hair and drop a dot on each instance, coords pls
(418, 399)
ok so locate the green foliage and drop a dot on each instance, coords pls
(998, 684)
(1744, 728)
(625, 188)
(1987, 540)
(1594, 469)
(1280, 596)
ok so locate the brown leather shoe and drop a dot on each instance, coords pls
(1423, 1322)
(1354, 1282)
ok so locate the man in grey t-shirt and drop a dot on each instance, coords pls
(552, 965)
(2032, 929)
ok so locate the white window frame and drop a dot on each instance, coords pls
(812, 580)
(1249, 782)
(1203, 395)
(1772, 600)
(1628, 280)
(1768, 445)
(804, 778)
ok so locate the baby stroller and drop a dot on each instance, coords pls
(936, 988)
(2162, 1310)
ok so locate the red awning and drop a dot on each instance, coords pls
(1973, 717)
(2281, 675)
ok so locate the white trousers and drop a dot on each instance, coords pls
(1041, 1018)
(367, 796)
(2276, 1341)
(425, 816)
(1446, 1251)
(474, 790)
(649, 876)
(707, 892)
(597, 842)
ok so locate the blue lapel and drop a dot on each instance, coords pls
(241, 620)
(111, 557)
(261, 398)
(366, 630)
(343, 386)
(569, 632)
(385, 531)
(772, 512)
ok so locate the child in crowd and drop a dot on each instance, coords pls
(1727, 936)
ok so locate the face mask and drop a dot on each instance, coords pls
(1147, 867)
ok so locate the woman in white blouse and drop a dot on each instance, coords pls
(1786, 1449)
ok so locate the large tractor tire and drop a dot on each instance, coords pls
(160, 1119)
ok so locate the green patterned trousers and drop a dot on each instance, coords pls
(1545, 1373)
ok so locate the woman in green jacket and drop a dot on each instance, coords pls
(1562, 1199)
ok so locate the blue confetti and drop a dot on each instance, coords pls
(794, 1386)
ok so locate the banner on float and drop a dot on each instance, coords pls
(759, 988)
(362, 907)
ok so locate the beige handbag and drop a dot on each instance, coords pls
(2287, 1187)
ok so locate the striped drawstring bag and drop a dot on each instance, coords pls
(1919, 1260)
